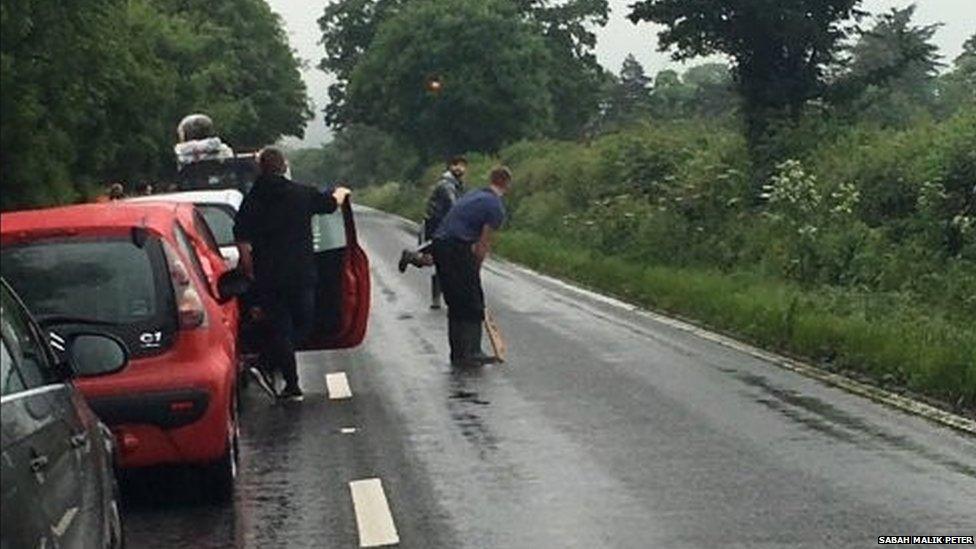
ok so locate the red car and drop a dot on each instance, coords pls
(149, 274)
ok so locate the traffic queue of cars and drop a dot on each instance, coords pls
(131, 304)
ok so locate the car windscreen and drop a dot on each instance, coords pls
(123, 281)
(220, 219)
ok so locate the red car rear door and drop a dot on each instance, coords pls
(342, 295)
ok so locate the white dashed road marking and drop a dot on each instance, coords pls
(347, 430)
(338, 386)
(373, 516)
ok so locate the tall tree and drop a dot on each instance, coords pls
(958, 87)
(891, 69)
(629, 97)
(350, 26)
(485, 86)
(576, 77)
(779, 50)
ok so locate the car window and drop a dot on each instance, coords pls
(220, 220)
(203, 229)
(10, 381)
(105, 278)
(328, 231)
(24, 345)
(183, 241)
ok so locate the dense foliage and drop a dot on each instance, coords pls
(529, 62)
(91, 91)
(478, 52)
(780, 51)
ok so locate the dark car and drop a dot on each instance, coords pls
(57, 469)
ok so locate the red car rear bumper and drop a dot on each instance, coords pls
(165, 410)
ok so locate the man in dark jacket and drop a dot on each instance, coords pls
(446, 192)
(461, 244)
(274, 234)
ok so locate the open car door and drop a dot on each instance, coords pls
(342, 294)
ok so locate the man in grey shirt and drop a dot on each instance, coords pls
(446, 192)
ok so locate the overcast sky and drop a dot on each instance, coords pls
(614, 41)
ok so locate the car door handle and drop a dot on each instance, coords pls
(38, 463)
(79, 440)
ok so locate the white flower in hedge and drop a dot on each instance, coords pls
(793, 188)
(965, 223)
(807, 231)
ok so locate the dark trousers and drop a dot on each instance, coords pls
(288, 313)
(459, 275)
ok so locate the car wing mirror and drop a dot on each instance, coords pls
(231, 284)
(95, 354)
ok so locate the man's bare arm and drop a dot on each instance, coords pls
(482, 247)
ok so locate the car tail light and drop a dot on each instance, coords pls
(189, 305)
(126, 442)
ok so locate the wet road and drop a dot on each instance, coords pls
(605, 429)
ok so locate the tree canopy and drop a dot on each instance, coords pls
(91, 91)
(573, 75)
(892, 69)
(780, 50)
(478, 52)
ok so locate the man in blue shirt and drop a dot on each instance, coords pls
(461, 243)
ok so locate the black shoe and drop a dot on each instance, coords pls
(471, 334)
(264, 380)
(435, 306)
(293, 394)
(481, 359)
(410, 257)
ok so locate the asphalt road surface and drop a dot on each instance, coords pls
(605, 429)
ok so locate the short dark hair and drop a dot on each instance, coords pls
(500, 173)
(457, 159)
(271, 161)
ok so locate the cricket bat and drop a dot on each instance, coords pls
(498, 346)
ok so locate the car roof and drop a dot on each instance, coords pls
(157, 216)
(231, 197)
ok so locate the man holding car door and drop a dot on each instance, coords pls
(274, 235)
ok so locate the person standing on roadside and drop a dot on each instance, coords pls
(461, 244)
(449, 188)
(274, 235)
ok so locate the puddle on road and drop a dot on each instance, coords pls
(815, 414)
(464, 405)
(468, 396)
(404, 316)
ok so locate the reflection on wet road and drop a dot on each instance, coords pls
(605, 429)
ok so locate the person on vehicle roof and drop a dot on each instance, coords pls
(274, 235)
(446, 192)
(461, 244)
